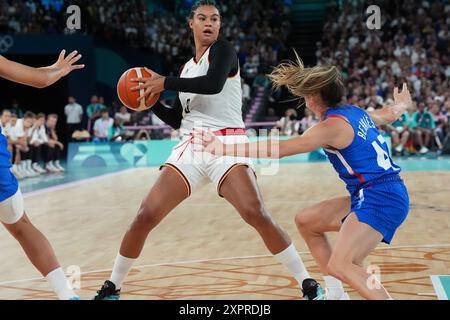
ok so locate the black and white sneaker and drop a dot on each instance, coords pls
(312, 290)
(108, 292)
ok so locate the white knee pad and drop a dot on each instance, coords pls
(11, 209)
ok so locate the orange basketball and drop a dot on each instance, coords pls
(130, 98)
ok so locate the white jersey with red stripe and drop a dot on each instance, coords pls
(215, 111)
(367, 158)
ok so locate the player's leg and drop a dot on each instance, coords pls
(26, 161)
(428, 134)
(418, 137)
(355, 241)
(17, 153)
(50, 156)
(168, 191)
(35, 245)
(240, 188)
(36, 150)
(395, 138)
(404, 137)
(312, 223)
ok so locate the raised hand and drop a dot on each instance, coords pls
(402, 101)
(65, 65)
(390, 113)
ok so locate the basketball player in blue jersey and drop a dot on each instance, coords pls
(378, 202)
(209, 92)
(12, 214)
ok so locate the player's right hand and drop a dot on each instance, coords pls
(207, 141)
(65, 65)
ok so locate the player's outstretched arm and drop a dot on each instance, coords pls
(223, 60)
(331, 133)
(388, 114)
(40, 77)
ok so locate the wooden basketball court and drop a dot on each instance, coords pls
(203, 250)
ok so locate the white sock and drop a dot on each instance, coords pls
(290, 258)
(121, 268)
(60, 285)
(335, 290)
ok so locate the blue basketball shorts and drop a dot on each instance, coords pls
(382, 204)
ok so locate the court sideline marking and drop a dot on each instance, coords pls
(75, 183)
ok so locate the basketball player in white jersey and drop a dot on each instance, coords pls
(209, 96)
(12, 213)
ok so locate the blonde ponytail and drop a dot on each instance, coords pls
(300, 81)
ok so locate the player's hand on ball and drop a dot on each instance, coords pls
(65, 65)
(207, 141)
(152, 85)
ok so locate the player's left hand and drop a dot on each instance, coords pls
(152, 85)
(402, 102)
(207, 141)
(65, 65)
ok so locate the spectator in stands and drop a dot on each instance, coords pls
(38, 140)
(246, 93)
(413, 46)
(261, 80)
(15, 109)
(400, 131)
(259, 38)
(288, 125)
(5, 127)
(74, 116)
(101, 103)
(21, 135)
(12, 142)
(54, 147)
(271, 115)
(308, 121)
(270, 118)
(160, 132)
(103, 126)
(440, 120)
(5, 122)
(93, 111)
(123, 116)
(13, 120)
(143, 118)
(447, 117)
(425, 126)
(118, 132)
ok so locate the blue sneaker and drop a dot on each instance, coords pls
(108, 292)
(312, 290)
(75, 298)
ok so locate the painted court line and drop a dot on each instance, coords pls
(439, 287)
(444, 245)
(74, 183)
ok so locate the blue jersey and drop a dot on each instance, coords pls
(8, 182)
(5, 155)
(367, 158)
